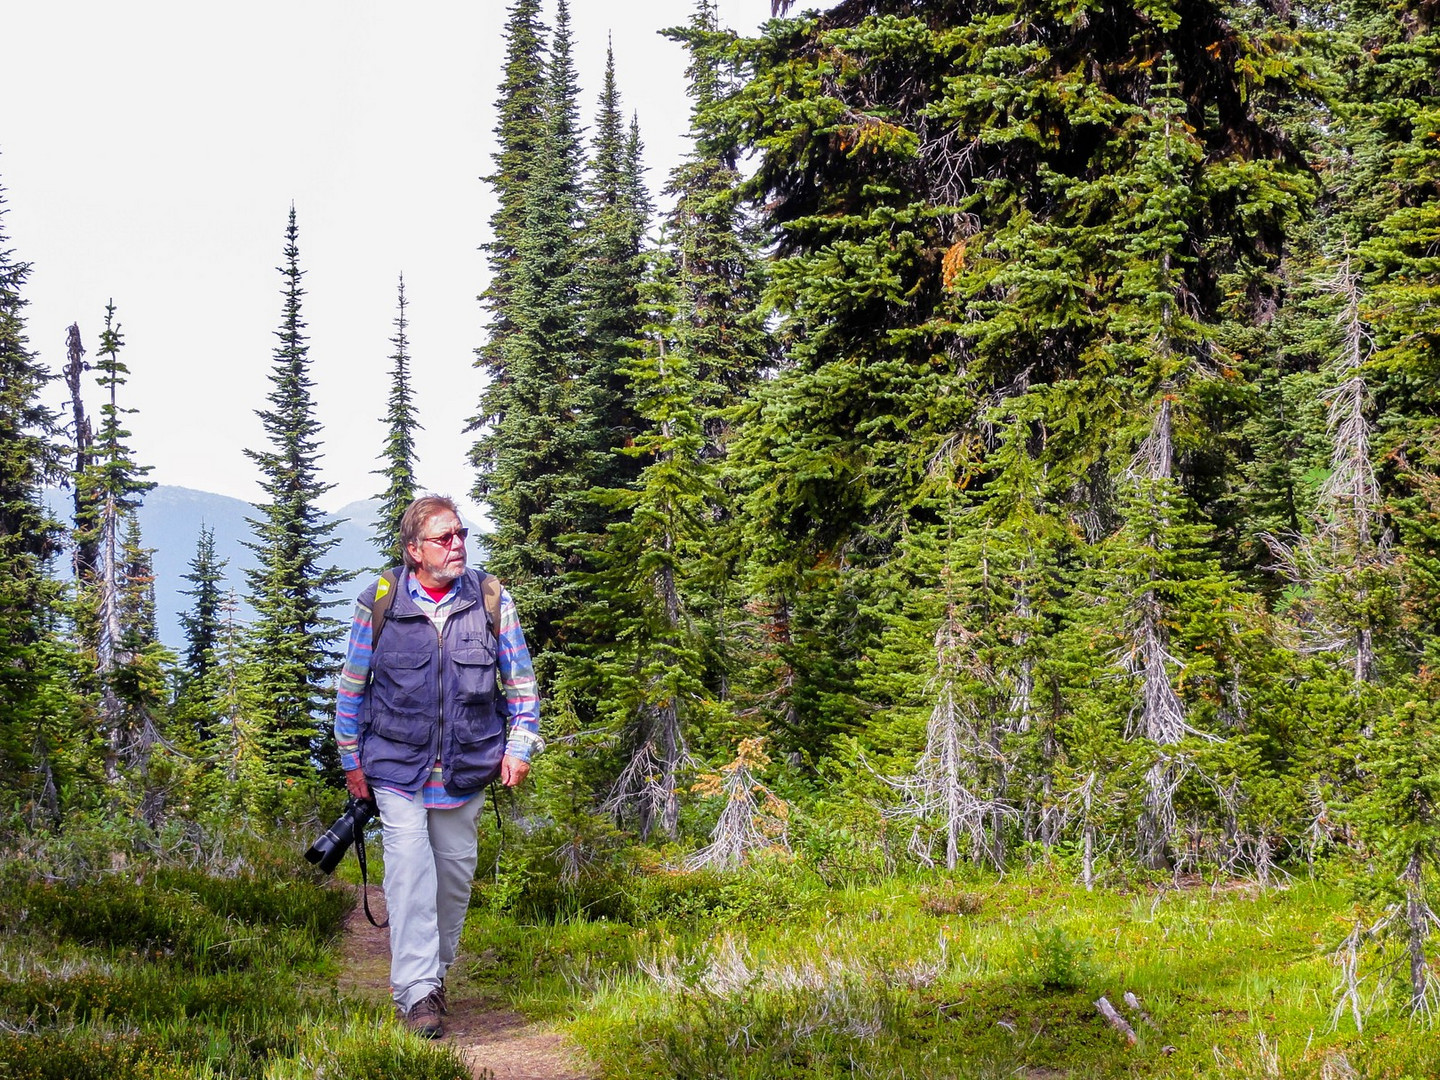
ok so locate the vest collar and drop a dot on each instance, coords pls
(468, 595)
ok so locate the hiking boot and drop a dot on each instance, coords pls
(439, 994)
(423, 1018)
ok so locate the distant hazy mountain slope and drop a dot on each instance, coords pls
(170, 522)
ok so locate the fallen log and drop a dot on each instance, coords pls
(1117, 1021)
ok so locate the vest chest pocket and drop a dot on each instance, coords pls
(474, 674)
(405, 682)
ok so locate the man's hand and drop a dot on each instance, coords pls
(355, 781)
(513, 770)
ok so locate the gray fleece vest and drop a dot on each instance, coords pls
(433, 693)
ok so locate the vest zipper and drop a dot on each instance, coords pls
(440, 695)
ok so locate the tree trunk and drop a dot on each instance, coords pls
(1417, 923)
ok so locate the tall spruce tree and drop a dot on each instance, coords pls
(1025, 257)
(615, 211)
(714, 325)
(399, 453)
(111, 489)
(519, 130)
(1388, 593)
(719, 271)
(31, 734)
(527, 456)
(294, 583)
(655, 573)
(653, 611)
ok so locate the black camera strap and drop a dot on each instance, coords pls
(365, 881)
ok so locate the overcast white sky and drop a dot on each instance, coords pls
(150, 152)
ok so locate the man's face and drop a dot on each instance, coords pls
(439, 561)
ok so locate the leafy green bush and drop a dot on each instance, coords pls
(1057, 961)
(294, 901)
(757, 893)
(148, 993)
(549, 900)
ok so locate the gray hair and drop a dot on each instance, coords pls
(416, 515)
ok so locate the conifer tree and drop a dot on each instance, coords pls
(141, 682)
(1378, 532)
(656, 564)
(293, 586)
(202, 625)
(653, 610)
(528, 453)
(30, 734)
(968, 255)
(1399, 190)
(615, 211)
(112, 614)
(716, 329)
(238, 763)
(717, 245)
(519, 129)
(399, 454)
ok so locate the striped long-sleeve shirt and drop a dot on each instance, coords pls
(516, 678)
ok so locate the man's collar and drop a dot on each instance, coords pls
(417, 591)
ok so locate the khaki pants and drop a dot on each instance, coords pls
(429, 864)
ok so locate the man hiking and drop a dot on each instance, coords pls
(437, 699)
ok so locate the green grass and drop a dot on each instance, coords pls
(164, 970)
(934, 977)
(168, 970)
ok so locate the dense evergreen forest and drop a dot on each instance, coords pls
(1017, 440)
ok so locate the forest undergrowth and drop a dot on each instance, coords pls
(195, 953)
(187, 953)
(773, 972)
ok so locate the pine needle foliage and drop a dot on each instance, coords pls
(401, 423)
(292, 588)
(31, 728)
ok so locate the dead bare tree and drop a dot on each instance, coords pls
(647, 785)
(86, 555)
(1346, 542)
(1159, 716)
(945, 785)
(752, 819)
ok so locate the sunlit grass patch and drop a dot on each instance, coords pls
(158, 969)
(1001, 979)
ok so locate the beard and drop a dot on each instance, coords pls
(447, 572)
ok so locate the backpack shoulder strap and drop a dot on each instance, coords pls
(490, 592)
(384, 593)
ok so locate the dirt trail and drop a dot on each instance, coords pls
(489, 1038)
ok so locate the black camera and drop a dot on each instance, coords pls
(330, 848)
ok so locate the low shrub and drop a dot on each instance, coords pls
(549, 900)
(751, 893)
(143, 994)
(1055, 960)
(294, 901)
(759, 893)
(97, 1055)
(167, 926)
(951, 901)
